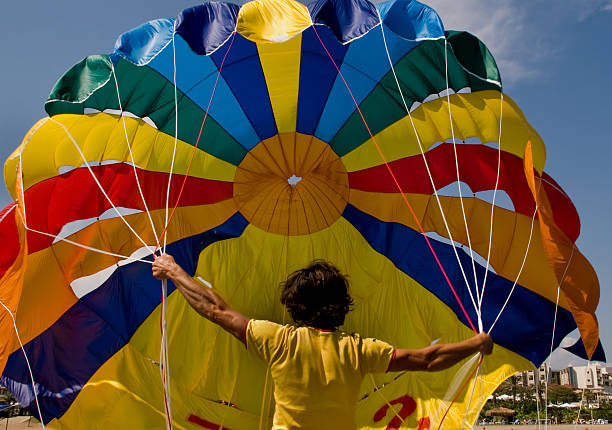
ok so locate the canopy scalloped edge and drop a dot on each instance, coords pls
(206, 27)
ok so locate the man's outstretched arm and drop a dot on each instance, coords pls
(440, 357)
(204, 300)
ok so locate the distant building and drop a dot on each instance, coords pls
(607, 377)
(543, 374)
(555, 377)
(593, 377)
(568, 376)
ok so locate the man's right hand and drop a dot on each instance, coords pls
(485, 343)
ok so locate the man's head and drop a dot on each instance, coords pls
(317, 296)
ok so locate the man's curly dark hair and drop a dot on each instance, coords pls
(317, 296)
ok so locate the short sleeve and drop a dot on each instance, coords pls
(375, 355)
(264, 338)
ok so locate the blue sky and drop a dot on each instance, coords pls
(555, 63)
(554, 59)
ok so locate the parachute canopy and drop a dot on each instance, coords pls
(249, 141)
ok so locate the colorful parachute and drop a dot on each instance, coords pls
(265, 136)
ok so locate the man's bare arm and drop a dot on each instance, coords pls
(204, 300)
(440, 357)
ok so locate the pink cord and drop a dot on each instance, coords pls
(397, 184)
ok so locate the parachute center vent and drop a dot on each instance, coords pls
(293, 180)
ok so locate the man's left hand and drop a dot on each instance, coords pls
(163, 266)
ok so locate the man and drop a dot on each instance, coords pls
(317, 370)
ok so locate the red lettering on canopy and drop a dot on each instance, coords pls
(408, 407)
(423, 423)
(204, 423)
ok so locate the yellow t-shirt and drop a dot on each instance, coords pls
(316, 374)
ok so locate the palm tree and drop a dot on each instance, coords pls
(513, 381)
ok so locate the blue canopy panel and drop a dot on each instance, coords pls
(369, 52)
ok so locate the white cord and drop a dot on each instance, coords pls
(7, 212)
(127, 141)
(175, 138)
(164, 343)
(164, 360)
(467, 409)
(42, 423)
(89, 248)
(100, 185)
(63, 239)
(537, 382)
(467, 230)
(450, 236)
(552, 338)
(22, 216)
(484, 282)
(519, 272)
(581, 401)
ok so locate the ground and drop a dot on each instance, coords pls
(19, 423)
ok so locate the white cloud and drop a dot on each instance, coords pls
(561, 358)
(587, 8)
(503, 27)
(521, 35)
(568, 341)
